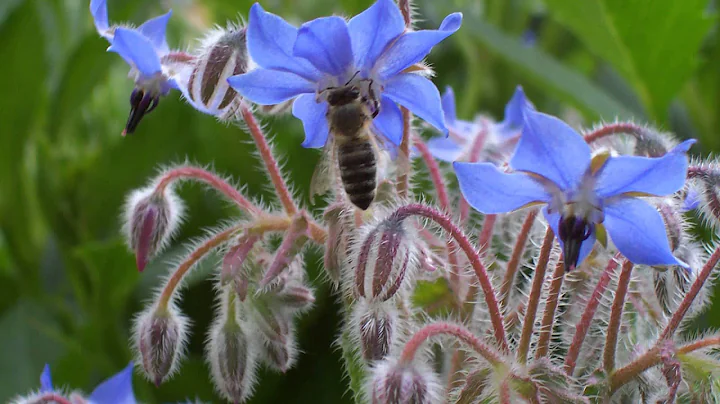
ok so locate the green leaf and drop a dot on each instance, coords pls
(354, 367)
(653, 44)
(435, 298)
(28, 339)
(548, 73)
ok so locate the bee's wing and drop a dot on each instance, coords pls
(322, 176)
(400, 161)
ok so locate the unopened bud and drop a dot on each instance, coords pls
(232, 264)
(337, 243)
(296, 297)
(277, 335)
(376, 327)
(385, 257)
(151, 219)
(295, 238)
(232, 361)
(224, 55)
(280, 353)
(403, 383)
(160, 337)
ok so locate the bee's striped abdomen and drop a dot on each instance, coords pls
(358, 169)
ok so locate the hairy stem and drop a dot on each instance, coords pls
(406, 10)
(403, 181)
(615, 128)
(270, 163)
(582, 327)
(514, 263)
(209, 178)
(546, 327)
(486, 233)
(51, 397)
(535, 292)
(616, 313)
(459, 332)
(435, 174)
(690, 296)
(505, 396)
(464, 243)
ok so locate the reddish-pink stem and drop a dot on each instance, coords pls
(458, 331)
(406, 11)
(535, 292)
(403, 181)
(687, 301)
(480, 271)
(51, 398)
(614, 128)
(179, 56)
(486, 233)
(505, 395)
(616, 313)
(582, 327)
(514, 263)
(209, 178)
(435, 174)
(270, 163)
(548, 321)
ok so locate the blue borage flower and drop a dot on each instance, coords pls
(373, 46)
(115, 390)
(499, 137)
(583, 196)
(153, 66)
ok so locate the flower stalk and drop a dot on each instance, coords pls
(548, 321)
(616, 313)
(459, 332)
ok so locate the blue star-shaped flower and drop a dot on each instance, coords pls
(585, 197)
(499, 137)
(145, 49)
(115, 390)
(373, 46)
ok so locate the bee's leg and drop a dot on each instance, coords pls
(376, 103)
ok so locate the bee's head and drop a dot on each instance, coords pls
(344, 95)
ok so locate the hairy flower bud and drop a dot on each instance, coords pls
(160, 336)
(231, 357)
(403, 383)
(295, 238)
(280, 353)
(224, 54)
(376, 324)
(384, 257)
(277, 335)
(150, 220)
(337, 243)
(232, 264)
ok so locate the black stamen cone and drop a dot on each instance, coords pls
(573, 232)
(141, 104)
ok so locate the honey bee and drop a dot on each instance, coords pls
(352, 147)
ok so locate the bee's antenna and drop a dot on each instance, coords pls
(353, 77)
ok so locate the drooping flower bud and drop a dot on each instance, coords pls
(385, 256)
(403, 383)
(336, 246)
(232, 264)
(150, 220)
(277, 335)
(224, 54)
(296, 297)
(280, 353)
(376, 324)
(160, 337)
(295, 238)
(232, 360)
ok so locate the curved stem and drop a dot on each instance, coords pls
(403, 181)
(260, 226)
(209, 178)
(682, 310)
(51, 397)
(486, 233)
(582, 327)
(548, 320)
(270, 163)
(464, 243)
(616, 313)
(517, 252)
(459, 332)
(534, 298)
(615, 128)
(435, 174)
(405, 9)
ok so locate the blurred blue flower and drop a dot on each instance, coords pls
(498, 138)
(584, 196)
(372, 47)
(153, 68)
(115, 390)
(692, 200)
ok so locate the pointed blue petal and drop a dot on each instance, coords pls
(389, 122)
(691, 201)
(154, 30)
(514, 112)
(412, 47)
(491, 191)
(98, 9)
(270, 41)
(372, 31)
(445, 149)
(267, 87)
(553, 220)
(136, 50)
(325, 42)
(419, 95)
(448, 106)
(312, 115)
(115, 390)
(46, 385)
(638, 231)
(656, 176)
(552, 149)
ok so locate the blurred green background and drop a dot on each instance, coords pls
(68, 285)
